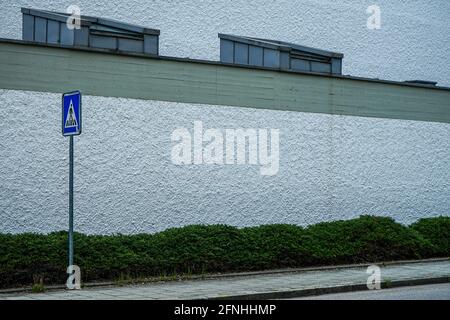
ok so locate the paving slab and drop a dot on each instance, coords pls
(267, 285)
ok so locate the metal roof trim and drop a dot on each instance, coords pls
(58, 16)
(126, 26)
(254, 41)
(89, 20)
(305, 48)
(280, 45)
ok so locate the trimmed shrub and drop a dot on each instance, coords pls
(365, 239)
(27, 259)
(437, 231)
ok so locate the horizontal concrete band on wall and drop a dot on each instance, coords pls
(25, 66)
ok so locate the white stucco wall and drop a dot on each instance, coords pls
(412, 43)
(331, 167)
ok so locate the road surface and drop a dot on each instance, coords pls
(425, 292)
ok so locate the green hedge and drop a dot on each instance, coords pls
(437, 231)
(198, 249)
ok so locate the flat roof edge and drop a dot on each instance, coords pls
(218, 63)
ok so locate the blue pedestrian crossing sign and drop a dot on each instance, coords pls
(71, 113)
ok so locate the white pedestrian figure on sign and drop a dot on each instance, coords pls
(71, 119)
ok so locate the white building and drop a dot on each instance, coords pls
(347, 146)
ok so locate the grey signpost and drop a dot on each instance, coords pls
(71, 201)
(71, 126)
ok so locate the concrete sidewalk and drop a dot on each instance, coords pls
(261, 286)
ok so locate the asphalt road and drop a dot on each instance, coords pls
(425, 292)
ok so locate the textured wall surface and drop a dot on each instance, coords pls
(411, 44)
(331, 167)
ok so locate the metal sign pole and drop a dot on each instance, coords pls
(71, 201)
(71, 125)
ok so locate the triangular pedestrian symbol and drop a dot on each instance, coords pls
(71, 119)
